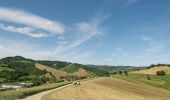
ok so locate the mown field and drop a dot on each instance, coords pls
(157, 81)
(109, 89)
(17, 94)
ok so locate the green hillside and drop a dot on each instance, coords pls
(22, 69)
(70, 68)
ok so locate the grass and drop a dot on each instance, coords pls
(14, 94)
(157, 81)
(70, 69)
(108, 89)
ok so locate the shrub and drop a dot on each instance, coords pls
(114, 73)
(160, 73)
(126, 73)
(120, 72)
(148, 77)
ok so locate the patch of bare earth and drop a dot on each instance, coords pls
(55, 72)
(81, 72)
(108, 89)
(153, 70)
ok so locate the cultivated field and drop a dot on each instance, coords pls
(81, 72)
(55, 72)
(108, 89)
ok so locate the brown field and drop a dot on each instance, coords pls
(81, 72)
(55, 72)
(108, 89)
(153, 70)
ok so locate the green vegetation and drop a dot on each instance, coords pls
(157, 81)
(22, 69)
(148, 77)
(70, 68)
(158, 65)
(6, 68)
(96, 71)
(126, 73)
(120, 72)
(161, 73)
(14, 94)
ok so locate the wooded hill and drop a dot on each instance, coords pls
(22, 69)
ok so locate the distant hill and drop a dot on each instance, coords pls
(19, 68)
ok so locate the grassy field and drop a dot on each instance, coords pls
(70, 69)
(108, 89)
(157, 81)
(14, 94)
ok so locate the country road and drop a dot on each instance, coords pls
(39, 95)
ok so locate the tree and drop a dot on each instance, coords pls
(108, 75)
(126, 73)
(160, 73)
(120, 72)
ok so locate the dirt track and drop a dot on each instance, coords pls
(108, 89)
(39, 95)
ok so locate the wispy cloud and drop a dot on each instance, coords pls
(84, 31)
(30, 20)
(62, 42)
(23, 30)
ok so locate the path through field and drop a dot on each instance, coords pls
(108, 89)
(39, 95)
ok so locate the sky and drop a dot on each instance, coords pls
(101, 32)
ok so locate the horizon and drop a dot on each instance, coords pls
(98, 32)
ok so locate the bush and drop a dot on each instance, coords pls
(148, 77)
(39, 81)
(113, 72)
(160, 73)
(120, 72)
(126, 73)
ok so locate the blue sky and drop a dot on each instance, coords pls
(105, 32)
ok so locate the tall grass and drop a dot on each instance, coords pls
(14, 94)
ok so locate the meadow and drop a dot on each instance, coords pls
(154, 80)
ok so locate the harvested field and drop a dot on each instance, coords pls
(81, 72)
(108, 89)
(55, 72)
(153, 70)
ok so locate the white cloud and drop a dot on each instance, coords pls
(62, 42)
(23, 30)
(14, 47)
(84, 31)
(28, 19)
